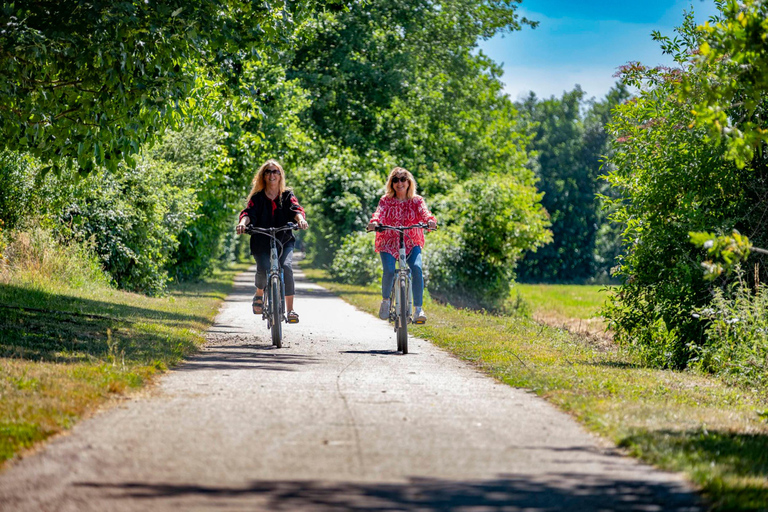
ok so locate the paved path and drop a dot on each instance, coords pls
(336, 420)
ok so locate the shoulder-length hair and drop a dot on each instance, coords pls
(400, 171)
(259, 182)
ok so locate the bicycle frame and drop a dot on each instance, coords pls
(273, 315)
(401, 294)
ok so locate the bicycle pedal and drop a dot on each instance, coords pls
(293, 321)
(420, 322)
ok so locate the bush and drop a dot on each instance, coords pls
(669, 179)
(340, 193)
(36, 257)
(17, 189)
(356, 262)
(737, 334)
(488, 224)
(133, 218)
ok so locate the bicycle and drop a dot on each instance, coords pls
(273, 310)
(401, 295)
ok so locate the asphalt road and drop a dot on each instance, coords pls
(335, 420)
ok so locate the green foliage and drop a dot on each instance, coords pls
(732, 249)
(92, 81)
(17, 186)
(361, 64)
(132, 217)
(201, 164)
(489, 223)
(730, 80)
(356, 261)
(669, 180)
(570, 140)
(737, 334)
(340, 193)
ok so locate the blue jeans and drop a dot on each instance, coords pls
(417, 276)
(286, 260)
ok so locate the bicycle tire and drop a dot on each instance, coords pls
(277, 324)
(402, 330)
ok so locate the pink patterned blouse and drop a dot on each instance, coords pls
(394, 212)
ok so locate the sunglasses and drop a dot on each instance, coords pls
(404, 179)
(271, 171)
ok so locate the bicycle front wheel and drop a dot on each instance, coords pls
(277, 321)
(402, 313)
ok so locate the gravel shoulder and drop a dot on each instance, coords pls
(335, 420)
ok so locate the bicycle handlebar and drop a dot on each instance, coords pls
(250, 229)
(384, 227)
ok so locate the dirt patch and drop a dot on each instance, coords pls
(592, 330)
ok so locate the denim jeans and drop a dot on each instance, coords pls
(286, 260)
(417, 276)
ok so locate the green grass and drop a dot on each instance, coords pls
(714, 433)
(566, 300)
(66, 349)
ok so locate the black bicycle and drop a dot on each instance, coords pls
(273, 310)
(401, 294)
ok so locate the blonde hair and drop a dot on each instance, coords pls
(390, 190)
(259, 183)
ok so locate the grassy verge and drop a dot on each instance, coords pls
(574, 307)
(65, 350)
(716, 434)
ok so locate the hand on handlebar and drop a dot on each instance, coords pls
(372, 226)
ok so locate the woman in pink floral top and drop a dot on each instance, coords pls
(400, 206)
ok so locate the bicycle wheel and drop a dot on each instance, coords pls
(402, 312)
(274, 312)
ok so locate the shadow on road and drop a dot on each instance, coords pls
(246, 357)
(372, 352)
(560, 492)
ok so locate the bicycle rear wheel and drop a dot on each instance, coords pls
(274, 303)
(402, 313)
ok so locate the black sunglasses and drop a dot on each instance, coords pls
(398, 180)
(271, 171)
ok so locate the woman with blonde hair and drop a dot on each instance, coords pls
(271, 205)
(401, 206)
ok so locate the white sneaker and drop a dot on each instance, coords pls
(384, 309)
(419, 316)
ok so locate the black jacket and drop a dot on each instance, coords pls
(265, 213)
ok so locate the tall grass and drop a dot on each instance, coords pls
(36, 259)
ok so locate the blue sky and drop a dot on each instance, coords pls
(584, 42)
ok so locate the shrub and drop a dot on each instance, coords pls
(737, 334)
(669, 179)
(36, 257)
(340, 193)
(17, 191)
(356, 262)
(133, 218)
(488, 224)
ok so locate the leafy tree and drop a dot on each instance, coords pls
(93, 80)
(570, 145)
(384, 72)
(672, 179)
(730, 80)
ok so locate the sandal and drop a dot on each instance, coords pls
(257, 304)
(293, 317)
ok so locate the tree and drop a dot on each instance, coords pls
(729, 81)
(670, 179)
(91, 81)
(570, 141)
